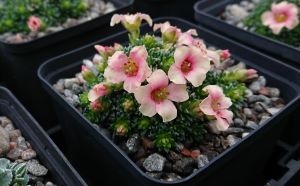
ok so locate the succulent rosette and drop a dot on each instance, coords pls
(167, 89)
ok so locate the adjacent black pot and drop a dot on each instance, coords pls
(207, 12)
(158, 8)
(60, 170)
(239, 165)
(21, 61)
(289, 165)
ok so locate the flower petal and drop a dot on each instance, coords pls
(146, 17)
(139, 52)
(114, 76)
(92, 95)
(226, 114)
(206, 106)
(181, 53)
(196, 76)
(220, 124)
(148, 109)
(158, 79)
(176, 75)
(177, 93)
(166, 110)
(214, 91)
(142, 93)
(116, 19)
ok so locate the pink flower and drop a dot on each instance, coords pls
(132, 70)
(283, 14)
(189, 65)
(34, 23)
(97, 91)
(131, 22)
(105, 51)
(225, 54)
(251, 74)
(186, 38)
(216, 105)
(157, 96)
(95, 105)
(169, 33)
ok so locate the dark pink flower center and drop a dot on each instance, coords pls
(131, 68)
(281, 17)
(186, 66)
(160, 94)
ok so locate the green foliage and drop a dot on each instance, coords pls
(253, 22)
(13, 174)
(14, 14)
(123, 115)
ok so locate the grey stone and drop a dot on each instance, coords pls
(21, 143)
(9, 127)
(15, 153)
(154, 163)
(49, 183)
(238, 122)
(68, 93)
(255, 86)
(263, 119)
(231, 140)
(262, 80)
(4, 141)
(202, 160)
(258, 107)
(14, 134)
(274, 92)
(245, 134)
(70, 82)
(28, 154)
(211, 154)
(273, 110)
(38, 183)
(77, 89)
(59, 86)
(133, 143)
(173, 156)
(184, 166)
(248, 92)
(4, 121)
(172, 177)
(251, 125)
(105, 132)
(35, 168)
(233, 130)
(253, 98)
(248, 112)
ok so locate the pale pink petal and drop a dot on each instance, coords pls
(142, 93)
(166, 110)
(226, 114)
(148, 109)
(276, 28)
(177, 93)
(176, 75)
(147, 18)
(220, 123)
(214, 91)
(130, 84)
(181, 53)
(117, 60)
(192, 32)
(199, 60)
(196, 76)
(139, 52)
(225, 103)
(158, 79)
(206, 106)
(116, 19)
(92, 95)
(114, 76)
(267, 18)
(214, 57)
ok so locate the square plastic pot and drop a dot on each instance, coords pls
(60, 170)
(207, 13)
(241, 164)
(21, 61)
(158, 8)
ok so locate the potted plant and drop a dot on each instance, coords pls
(168, 109)
(28, 155)
(33, 31)
(256, 23)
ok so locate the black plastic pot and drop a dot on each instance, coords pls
(60, 170)
(207, 12)
(158, 8)
(290, 166)
(239, 165)
(21, 61)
